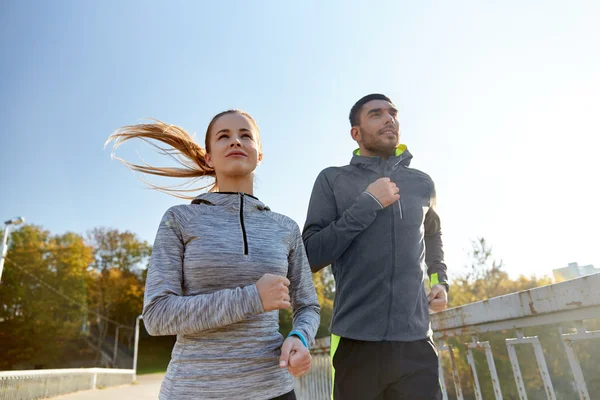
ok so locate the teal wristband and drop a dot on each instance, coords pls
(299, 336)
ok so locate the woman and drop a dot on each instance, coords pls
(222, 267)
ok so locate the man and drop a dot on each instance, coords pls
(374, 221)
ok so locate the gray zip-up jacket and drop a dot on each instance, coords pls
(206, 259)
(378, 255)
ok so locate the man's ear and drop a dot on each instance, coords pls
(355, 133)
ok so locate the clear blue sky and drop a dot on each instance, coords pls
(498, 102)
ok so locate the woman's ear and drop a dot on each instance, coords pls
(208, 159)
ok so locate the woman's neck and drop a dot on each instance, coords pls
(242, 184)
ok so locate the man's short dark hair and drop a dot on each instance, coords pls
(357, 107)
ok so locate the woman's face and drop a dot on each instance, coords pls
(234, 146)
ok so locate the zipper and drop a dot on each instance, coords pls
(393, 236)
(244, 237)
(387, 329)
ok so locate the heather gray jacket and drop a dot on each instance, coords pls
(378, 255)
(206, 259)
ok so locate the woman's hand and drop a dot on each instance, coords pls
(274, 292)
(295, 356)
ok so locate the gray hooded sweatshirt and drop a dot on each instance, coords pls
(206, 259)
(378, 255)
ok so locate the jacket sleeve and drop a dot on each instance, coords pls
(305, 306)
(434, 249)
(326, 235)
(167, 311)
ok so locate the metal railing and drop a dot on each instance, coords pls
(568, 302)
(40, 384)
(571, 302)
(316, 384)
(44, 383)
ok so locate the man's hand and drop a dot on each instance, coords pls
(385, 191)
(437, 298)
(295, 357)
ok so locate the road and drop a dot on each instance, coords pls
(146, 388)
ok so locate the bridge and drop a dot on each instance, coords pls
(526, 344)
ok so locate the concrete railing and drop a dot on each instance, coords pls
(44, 383)
(571, 302)
(40, 384)
(568, 302)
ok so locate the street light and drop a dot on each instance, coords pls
(14, 221)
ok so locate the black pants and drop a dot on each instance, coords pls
(386, 371)
(288, 396)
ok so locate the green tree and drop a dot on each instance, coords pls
(485, 278)
(43, 294)
(325, 288)
(116, 280)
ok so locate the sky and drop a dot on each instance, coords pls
(498, 103)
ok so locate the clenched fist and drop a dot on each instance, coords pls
(437, 298)
(385, 191)
(274, 292)
(295, 357)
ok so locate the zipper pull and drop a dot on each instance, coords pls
(400, 207)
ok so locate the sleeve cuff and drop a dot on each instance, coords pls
(434, 279)
(299, 336)
(254, 305)
(374, 198)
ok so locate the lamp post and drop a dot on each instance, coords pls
(9, 223)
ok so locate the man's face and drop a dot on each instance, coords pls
(378, 133)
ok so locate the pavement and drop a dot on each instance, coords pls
(145, 388)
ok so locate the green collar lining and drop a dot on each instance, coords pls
(399, 150)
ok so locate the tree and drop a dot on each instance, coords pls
(484, 278)
(116, 280)
(43, 296)
(325, 288)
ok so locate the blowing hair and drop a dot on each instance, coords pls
(182, 148)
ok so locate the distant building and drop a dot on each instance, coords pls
(573, 271)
